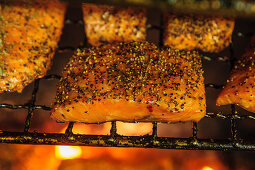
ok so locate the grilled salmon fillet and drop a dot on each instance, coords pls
(29, 32)
(240, 87)
(131, 82)
(209, 34)
(107, 24)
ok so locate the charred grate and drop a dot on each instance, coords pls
(116, 140)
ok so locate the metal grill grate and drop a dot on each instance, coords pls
(116, 140)
(147, 141)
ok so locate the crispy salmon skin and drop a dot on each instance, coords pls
(29, 32)
(107, 24)
(240, 87)
(209, 34)
(131, 82)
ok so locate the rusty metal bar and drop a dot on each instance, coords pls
(113, 130)
(124, 141)
(9, 106)
(228, 116)
(155, 129)
(69, 129)
(234, 124)
(31, 105)
(194, 130)
(233, 120)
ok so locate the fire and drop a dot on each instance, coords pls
(68, 152)
(207, 168)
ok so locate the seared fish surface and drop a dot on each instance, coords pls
(107, 24)
(29, 32)
(240, 87)
(210, 34)
(131, 82)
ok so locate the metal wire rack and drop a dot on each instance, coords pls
(116, 140)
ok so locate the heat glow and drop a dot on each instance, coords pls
(207, 168)
(68, 152)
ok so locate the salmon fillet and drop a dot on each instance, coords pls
(131, 82)
(29, 32)
(210, 34)
(107, 24)
(239, 88)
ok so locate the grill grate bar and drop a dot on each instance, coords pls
(194, 130)
(155, 129)
(113, 131)
(69, 129)
(233, 120)
(146, 141)
(31, 106)
(233, 123)
(9, 106)
(234, 113)
(229, 116)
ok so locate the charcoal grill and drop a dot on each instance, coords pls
(146, 141)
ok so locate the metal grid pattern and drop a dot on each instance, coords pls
(116, 140)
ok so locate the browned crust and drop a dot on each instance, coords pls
(131, 82)
(210, 34)
(240, 87)
(107, 24)
(30, 31)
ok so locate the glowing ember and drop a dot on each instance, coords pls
(68, 152)
(207, 168)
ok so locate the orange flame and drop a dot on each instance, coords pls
(68, 152)
(207, 168)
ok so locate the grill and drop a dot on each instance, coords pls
(147, 141)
